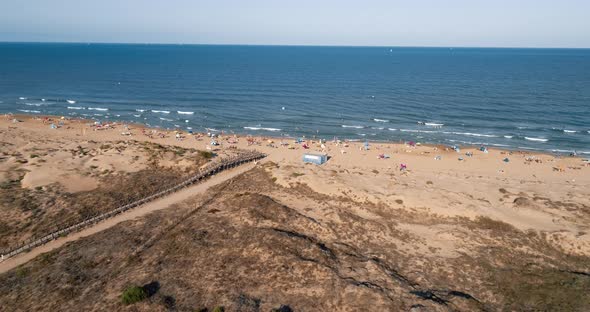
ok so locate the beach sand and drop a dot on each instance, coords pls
(450, 208)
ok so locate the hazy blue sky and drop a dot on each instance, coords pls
(530, 23)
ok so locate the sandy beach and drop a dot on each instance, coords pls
(437, 202)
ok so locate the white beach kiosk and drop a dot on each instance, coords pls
(315, 158)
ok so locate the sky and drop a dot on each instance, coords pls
(471, 23)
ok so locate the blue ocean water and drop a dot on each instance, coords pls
(513, 98)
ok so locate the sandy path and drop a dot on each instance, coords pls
(158, 204)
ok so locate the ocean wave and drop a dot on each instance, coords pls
(185, 113)
(391, 129)
(536, 139)
(22, 98)
(33, 104)
(355, 127)
(29, 111)
(508, 136)
(166, 119)
(432, 124)
(211, 130)
(140, 110)
(418, 131)
(71, 101)
(160, 111)
(137, 116)
(473, 134)
(189, 128)
(569, 131)
(75, 107)
(98, 109)
(264, 129)
(380, 120)
(377, 128)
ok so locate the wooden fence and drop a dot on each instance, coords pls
(211, 169)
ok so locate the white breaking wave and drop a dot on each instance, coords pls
(185, 113)
(75, 107)
(71, 101)
(508, 136)
(166, 119)
(160, 111)
(98, 109)
(356, 127)
(140, 110)
(380, 120)
(33, 104)
(418, 131)
(536, 139)
(29, 111)
(570, 131)
(22, 98)
(264, 129)
(473, 134)
(137, 116)
(432, 124)
(391, 129)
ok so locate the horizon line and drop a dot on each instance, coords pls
(295, 45)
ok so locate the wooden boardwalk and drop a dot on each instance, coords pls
(208, 171)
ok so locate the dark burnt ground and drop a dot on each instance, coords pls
(239, 246)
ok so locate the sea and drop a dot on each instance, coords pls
(534, 99)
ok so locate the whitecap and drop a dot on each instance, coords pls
(536, 139)
(432, 124)
(418, 131)
(33, 104)
(22, 98)
(569, 131)
(165, 119)
(75, 107)
(263, 129)
(473, 134)
(186, 120)
(185, 113)
(391, 129)
(160, 111)
(137, 116)
(140, 110)
(508, 136)
(29, 111)
(189, 128)
(98, 109)
(380, 120)
(356, 127)
(71, 101)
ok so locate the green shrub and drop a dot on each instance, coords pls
(206, 154)
(218, 309)
(133, 294)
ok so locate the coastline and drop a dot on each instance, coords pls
(466, 147)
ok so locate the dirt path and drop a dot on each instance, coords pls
(157, 204)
